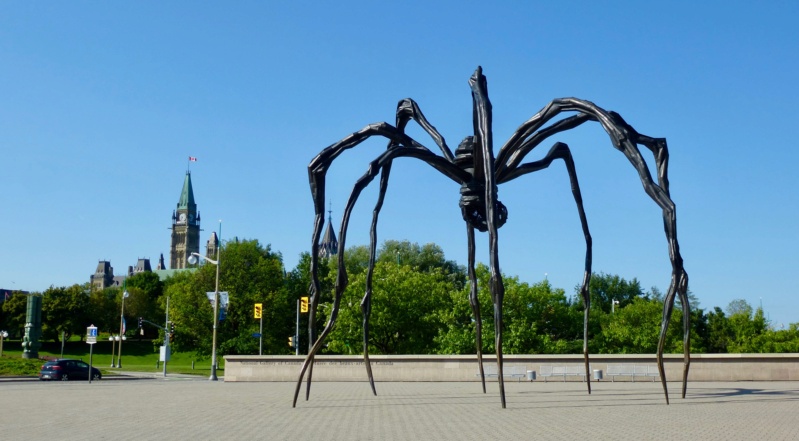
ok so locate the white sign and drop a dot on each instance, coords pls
(223, 298)
(91, 335)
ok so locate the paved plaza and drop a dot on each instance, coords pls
(184, 408)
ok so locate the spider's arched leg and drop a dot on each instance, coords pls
(475, 304)
(484, 169)
(366, 302)
(317, 170)
(317, 181)
(407, 110)
(679, 282)
(562, 151)
(625, 138)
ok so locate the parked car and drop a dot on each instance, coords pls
(66, 369)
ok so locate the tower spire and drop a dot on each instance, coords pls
(185, 226)
(329, 245)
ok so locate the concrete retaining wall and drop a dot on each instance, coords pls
(704, 367)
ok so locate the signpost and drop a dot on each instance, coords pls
(302, 307)
(258, 313)
(91, 339)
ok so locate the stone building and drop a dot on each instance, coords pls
(184, 241)
(185, 228)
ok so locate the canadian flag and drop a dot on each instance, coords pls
(192, 159)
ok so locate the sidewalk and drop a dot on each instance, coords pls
(201, 410)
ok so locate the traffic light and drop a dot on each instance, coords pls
(303, 304)
(291, 342)
(141, 322)
(258, 310)
(172, 329)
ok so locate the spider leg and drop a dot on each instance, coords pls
(475, 304)
(679, 282)
(481, 121)
(626, 140)
(562, 151)
(407, 109)
(317, 171)
(366, 302)
(403, 146)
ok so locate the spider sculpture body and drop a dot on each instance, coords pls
(478, 172)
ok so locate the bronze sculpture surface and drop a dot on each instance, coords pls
(478, 172)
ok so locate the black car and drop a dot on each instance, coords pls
(66, 369)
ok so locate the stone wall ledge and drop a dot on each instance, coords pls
(704, 367)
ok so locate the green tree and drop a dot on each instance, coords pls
(64, 309)
(104, 308)
(14, 310)
(635, 329)
(537, 318)
(605, 288)
(423, 258)
(720, 335)
(191, 312)
(747, 328)
(297, 284)
(739, 307)
(251, 273)
(781, 341)
(404, 317)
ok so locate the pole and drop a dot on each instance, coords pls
(166, 336)
(113, 346)
(216, 306)
(62, 344)
(261, 335)
(2, 335)
(297, 331)
(122, 323)
(91, 348)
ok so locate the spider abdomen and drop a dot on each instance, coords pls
(473, 207)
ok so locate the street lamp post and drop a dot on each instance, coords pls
(113, 346)
(113, 339)
(122, 324)
(3, 334)
(192, 260)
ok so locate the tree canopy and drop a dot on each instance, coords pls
(420, 305)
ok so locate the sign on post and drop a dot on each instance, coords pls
(91, 339)
(91, 334)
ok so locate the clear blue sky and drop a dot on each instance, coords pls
(101, 103)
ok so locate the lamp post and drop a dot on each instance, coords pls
(192, 260)
(113, 339)
(122, 324)
(113, 346)
(3, 334)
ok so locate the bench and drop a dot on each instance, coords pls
(490, 370)
(632, 371)
(562, 371)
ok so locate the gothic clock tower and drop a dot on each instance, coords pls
(185, 227)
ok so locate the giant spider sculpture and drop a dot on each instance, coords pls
(474, 167)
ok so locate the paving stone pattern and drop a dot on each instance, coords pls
(180, 408)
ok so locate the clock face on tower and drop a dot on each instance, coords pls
(182, 217)
(191, 218)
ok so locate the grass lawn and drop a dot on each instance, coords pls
(140, 356)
